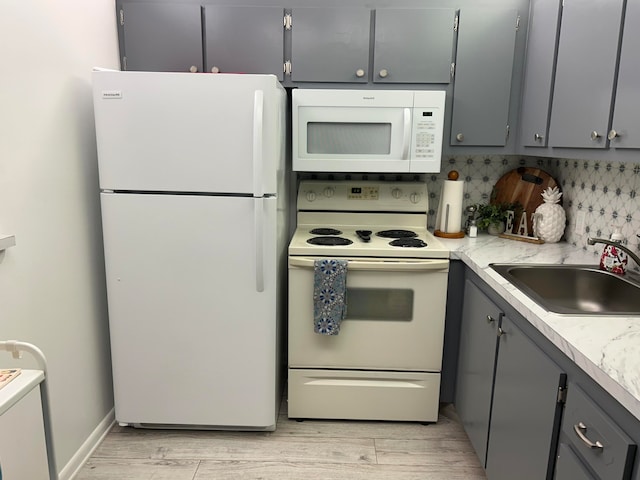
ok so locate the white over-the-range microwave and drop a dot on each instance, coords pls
(387, 131)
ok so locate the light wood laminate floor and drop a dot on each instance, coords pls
(308, 450)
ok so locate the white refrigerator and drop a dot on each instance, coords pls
(192, 182)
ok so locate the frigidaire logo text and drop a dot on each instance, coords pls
(368, 98)
(111, 94)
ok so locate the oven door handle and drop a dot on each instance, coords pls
(386, 265)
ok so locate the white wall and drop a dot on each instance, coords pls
(52, 290)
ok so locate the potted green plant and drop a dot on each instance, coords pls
(492, 217)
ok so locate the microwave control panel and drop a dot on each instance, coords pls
(425, 133)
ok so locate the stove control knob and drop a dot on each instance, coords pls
(311, 196)
(328, 192)
(414, 198)
(396, 193)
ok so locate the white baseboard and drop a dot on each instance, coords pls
(74, 465)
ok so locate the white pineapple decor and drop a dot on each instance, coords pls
(550, 218)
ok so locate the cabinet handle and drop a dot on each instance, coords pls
(613, 135)
(193, 69)
(501, 332)
(383, 73)
(490, 319)
(460, 137)
(580, 430)
(215, 69)
(360, 73)
(595, 136)
(537, 137)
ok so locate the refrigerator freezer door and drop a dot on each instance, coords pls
(184, 132)
(193, 340)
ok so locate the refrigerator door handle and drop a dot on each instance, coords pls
(258, 109)
(258, 218)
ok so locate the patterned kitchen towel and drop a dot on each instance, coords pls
(329, 295)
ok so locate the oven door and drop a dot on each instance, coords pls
(394, 320)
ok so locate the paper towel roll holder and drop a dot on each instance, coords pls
(453, 175)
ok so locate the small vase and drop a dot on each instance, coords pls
(495, 228)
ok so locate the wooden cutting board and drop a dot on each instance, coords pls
(523, 185)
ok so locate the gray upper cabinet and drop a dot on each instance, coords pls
(161, 37)
(544, 18)
(244, 39)
(525, 412)
(625, 129)
(330, 44)
(483, 75)
(413, 45)
(585, 73)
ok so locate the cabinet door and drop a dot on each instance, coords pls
(27, 457)
(540, 62)
(330, 44)
(626, 119)
(413, 45)
(244, 39)
(483, 71)
(161, 37)
(585, 73)
(474, 386)
(525, 414)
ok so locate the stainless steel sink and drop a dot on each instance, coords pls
(574, 289)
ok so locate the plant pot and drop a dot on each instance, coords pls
(495, 228)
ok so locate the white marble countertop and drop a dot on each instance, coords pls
(607, 348)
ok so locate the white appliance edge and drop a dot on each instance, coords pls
(192, 192)
(369, 131)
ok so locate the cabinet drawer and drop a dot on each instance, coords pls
(569, 466)
(363, 395)
(584, 422)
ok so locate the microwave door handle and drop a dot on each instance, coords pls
(406, 137)
(258, 109)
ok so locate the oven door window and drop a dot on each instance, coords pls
(380, 304)
(342, 138)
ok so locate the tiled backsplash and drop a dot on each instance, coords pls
(605, 191)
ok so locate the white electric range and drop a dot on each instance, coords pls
(385, 362)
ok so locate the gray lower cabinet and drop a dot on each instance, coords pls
(483, 76)
(330, 44)
(585, 73)
(598, 444)
(525, 411)
(530, 412)
(161, 37)
(413, 45)
(244, 39)
(569, 466)
(544, 17)
(476, 362)
(507, 393)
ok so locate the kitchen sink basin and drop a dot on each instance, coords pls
(574, 289)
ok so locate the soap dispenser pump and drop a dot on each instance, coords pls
(614, 259)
